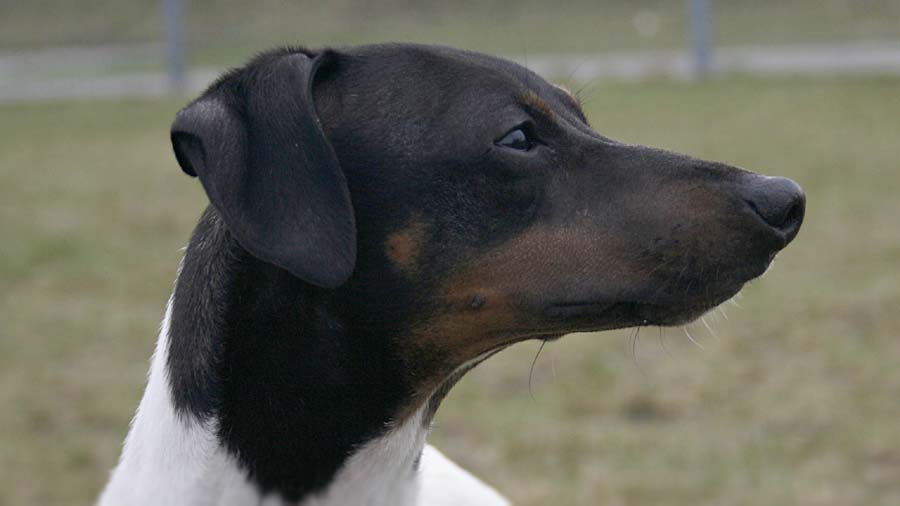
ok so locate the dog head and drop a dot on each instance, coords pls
(466, 201)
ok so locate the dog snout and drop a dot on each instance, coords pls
(780, 203)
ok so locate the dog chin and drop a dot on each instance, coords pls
(688, 316)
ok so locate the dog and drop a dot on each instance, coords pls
(382, 219)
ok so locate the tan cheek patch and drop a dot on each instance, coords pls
(404, 247)
(481, 307)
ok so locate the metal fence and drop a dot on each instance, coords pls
(687, 52)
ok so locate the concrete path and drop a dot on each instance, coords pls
(831, 59)
(109, 71)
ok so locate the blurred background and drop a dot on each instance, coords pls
(789, 396)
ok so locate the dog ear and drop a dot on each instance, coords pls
(256, 142)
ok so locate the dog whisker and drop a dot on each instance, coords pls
(588, 91)
(708, 327)
(531, 370)
(634, 339)
(573, 73)
(691, 338)
(635, 335)
(722, 312)
(662, 341)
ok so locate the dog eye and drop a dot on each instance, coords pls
(517, 139)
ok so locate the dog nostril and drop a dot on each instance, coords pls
(794, 215)
(780, 202)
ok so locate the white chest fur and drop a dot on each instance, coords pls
(176, 461)
(168, 459)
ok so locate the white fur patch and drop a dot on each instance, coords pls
(171, 460)
(176, 461)
(381, 472)
(443, 483)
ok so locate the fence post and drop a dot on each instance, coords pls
(173, 31)
(700, 15)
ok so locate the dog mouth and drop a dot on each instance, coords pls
(677, 303)
(599, 314)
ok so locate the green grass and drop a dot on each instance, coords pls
(795, 402)
(221, 29)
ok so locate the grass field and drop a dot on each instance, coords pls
(795, 401)
(219, 29)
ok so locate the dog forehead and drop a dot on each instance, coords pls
(425, 92)
(443, 69)
(481, 77)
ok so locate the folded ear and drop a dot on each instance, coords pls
(257, 144)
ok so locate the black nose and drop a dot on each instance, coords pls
(779, 201)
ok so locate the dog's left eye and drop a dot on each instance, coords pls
(517, 139)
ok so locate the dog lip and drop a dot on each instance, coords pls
(662, 311)
(577, 308)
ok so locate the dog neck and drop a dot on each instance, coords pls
(260, 389)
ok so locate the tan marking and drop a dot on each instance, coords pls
(403, 247)
(573, 100)
(479, 308)
(565, 89)
(531, 99)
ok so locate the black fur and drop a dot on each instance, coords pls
(199, 307)
(273, 357)
(256, 143)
